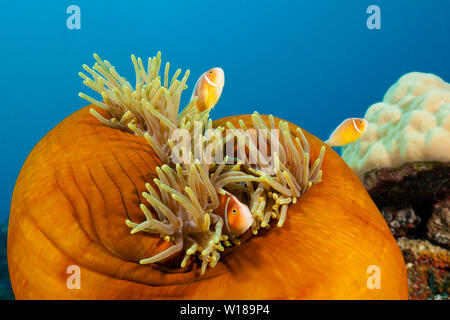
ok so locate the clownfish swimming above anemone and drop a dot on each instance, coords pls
(208, 88)
(347, 132)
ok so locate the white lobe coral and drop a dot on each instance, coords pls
(412, 123)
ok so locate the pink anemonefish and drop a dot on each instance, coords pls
(236, 215)
(208, 88)
(348, 131)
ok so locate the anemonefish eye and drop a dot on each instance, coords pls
(210, 72)
(234, 211)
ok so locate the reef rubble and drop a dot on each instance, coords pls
(427, 268)
(438, 226)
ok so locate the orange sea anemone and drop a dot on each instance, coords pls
(84, 179)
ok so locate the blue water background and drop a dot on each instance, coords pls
(311, 62)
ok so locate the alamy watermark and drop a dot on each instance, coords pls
(249, 147)
(374, 279)
(374, 20)
(74, 19)
(74, 279)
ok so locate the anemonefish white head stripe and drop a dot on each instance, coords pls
(356, 127)
(226, 215)
(209, 81)
(208, 88)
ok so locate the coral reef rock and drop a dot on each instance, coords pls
(409, 195)
(439, 224)
(428, 269)
(401, 222)
(412, 123)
